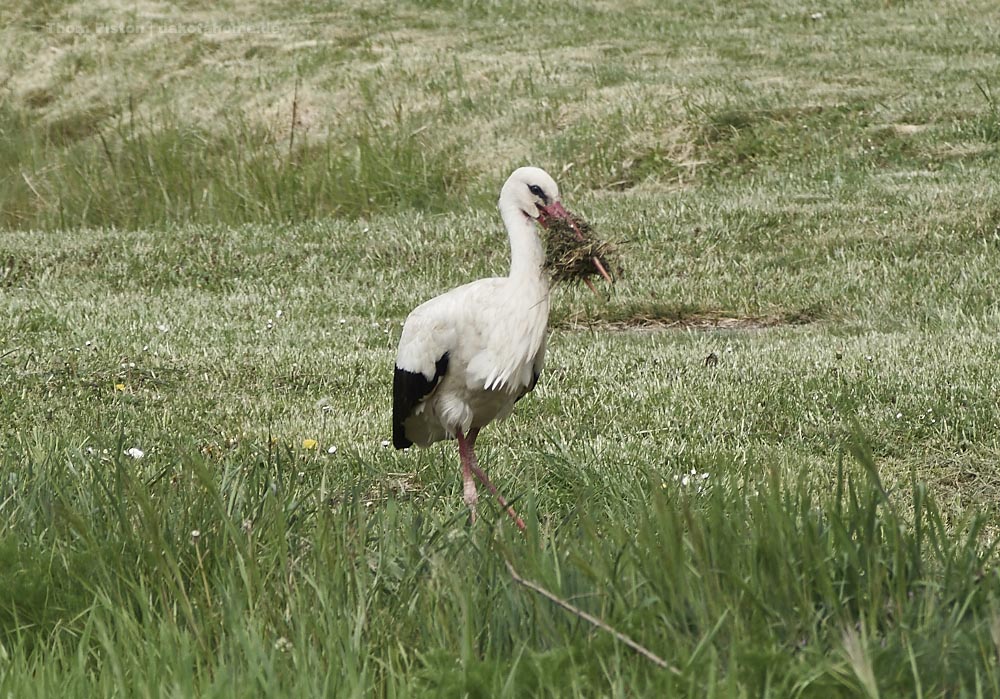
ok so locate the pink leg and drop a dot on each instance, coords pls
(468, 457)
(470, 466)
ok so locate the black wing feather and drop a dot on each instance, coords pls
(530, 387)
(408, 389)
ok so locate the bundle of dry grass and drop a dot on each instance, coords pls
(572, 253)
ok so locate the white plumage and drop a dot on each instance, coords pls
(465, 357)
(494, 335)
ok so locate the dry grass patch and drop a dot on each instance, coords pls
(652, 320)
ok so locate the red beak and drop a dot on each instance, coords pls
(556, 210)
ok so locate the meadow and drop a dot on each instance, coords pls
(768, 455)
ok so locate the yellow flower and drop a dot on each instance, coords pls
(119, 387)
(309, 443)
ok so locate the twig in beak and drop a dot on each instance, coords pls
(597, 263)
(571, 253)
(603, 272)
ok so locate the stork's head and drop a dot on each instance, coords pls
(532, 191)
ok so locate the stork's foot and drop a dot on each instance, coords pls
(485, 480)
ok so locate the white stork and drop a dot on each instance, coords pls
(465, 357)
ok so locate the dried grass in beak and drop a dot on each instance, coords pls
(572, 253)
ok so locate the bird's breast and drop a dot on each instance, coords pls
(510, 346)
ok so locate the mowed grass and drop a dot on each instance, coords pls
(768, 456)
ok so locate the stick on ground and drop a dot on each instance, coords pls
(593, 620)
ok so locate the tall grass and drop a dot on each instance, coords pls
(140, 169)
(225, 577)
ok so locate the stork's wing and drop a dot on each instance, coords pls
(430, 335)
(409, 388)
(536, 370)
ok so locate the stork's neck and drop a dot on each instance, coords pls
(527, 255)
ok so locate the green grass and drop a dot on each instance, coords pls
(769, 455)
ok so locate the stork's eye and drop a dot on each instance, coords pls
(537, 191)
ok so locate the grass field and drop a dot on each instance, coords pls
(769, 456)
